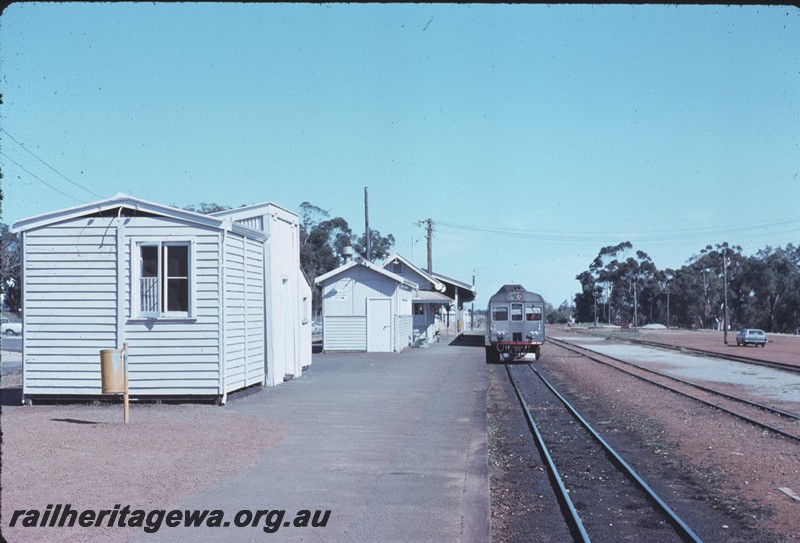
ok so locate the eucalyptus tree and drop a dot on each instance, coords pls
(638, 276)
(10, 268)
(380, 246)
(717, 265)
(322, 239)
(586, 299)
(605, 269)
(770, 286)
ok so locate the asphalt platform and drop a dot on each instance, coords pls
(394, 445)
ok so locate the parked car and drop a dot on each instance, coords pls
(751, 336)
(9, 328)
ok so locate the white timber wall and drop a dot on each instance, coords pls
(284, 304)
(173, 356)
(345, 300)
(425, 323)
(80, 296)
(304, 352)
(71, 310)
(404, 319)
(244, 313)
(70, 293)
(288, 346)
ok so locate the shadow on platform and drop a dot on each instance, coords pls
(468, 340)
(11, 396)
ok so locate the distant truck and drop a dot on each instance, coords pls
(751, 336)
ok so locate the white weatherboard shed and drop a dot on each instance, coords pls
(184, 290)
(366, 308)
(427, 300)
(288, 302)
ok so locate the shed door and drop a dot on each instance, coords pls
(379, 326)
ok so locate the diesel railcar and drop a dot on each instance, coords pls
(515, 324)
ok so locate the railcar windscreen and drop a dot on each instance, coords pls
(500, 313)
(533, 313)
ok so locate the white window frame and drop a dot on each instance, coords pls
(135, 275)
(508, 313)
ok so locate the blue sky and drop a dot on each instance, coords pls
(532, 135)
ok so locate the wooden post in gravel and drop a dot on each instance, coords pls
(125, 393)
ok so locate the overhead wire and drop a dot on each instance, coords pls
(46, 164)
(40, 179)
(678, 235)
(709, 230)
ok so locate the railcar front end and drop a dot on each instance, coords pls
(515, 325)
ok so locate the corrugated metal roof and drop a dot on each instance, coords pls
(430, 297)
(466, 292)
(137, 205)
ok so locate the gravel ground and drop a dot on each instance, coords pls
(84, 456)
(737, 468)
(733, 470)
(780, 348)
(523, 503)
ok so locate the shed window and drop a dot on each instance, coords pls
(164, 279)
(419, 309)
(500, 313)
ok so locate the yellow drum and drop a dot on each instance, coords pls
(112, 370)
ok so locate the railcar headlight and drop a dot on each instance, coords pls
(501, 334)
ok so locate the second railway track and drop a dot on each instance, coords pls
(777, 421)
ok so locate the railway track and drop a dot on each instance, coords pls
(716, 354)
(601, 496)
(764, 416)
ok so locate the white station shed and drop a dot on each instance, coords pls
(461, 293)
(366, 308)
(186, 291)
(428, 300)
(288, 303)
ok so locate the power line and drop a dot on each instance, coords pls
(655, 236)
(41, 180)
(48, 165)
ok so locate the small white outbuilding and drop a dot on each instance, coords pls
(186, 291)
(428, 300)
(366, 308)
(288, 301)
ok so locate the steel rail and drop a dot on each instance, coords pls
(577, 349)
(745, 418)
(573, 520)
(681, 527)
(733, 357)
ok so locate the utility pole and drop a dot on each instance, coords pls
(430, 245)
(667, 305)
(472, 309)
(725, 296)
(366, 226)
(429, 228)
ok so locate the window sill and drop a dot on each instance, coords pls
(144, 320)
